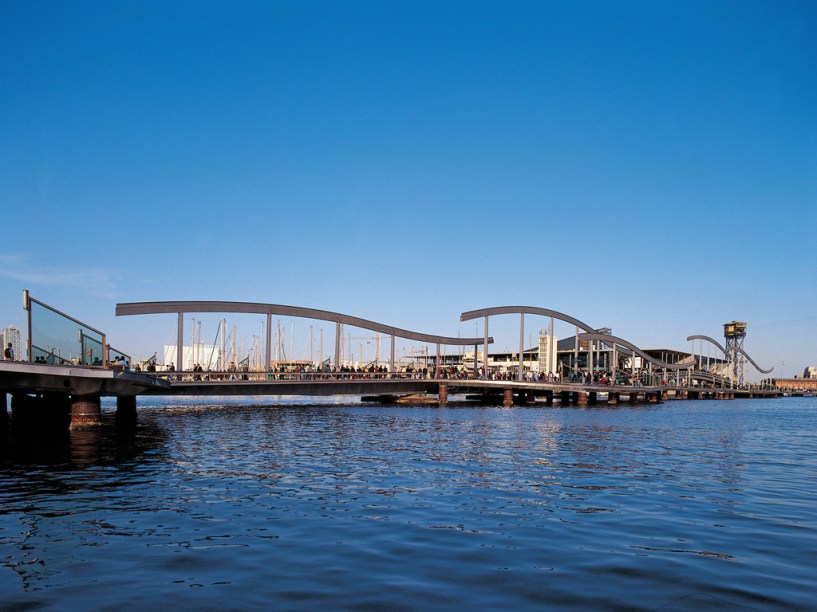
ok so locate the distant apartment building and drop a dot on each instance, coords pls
(13, 335)
(810, 372)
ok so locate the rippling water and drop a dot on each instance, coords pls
(682, 505)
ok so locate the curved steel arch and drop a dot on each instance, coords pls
(545, 312)
(739, 350)
(629, 345)
(752, 361)
(142, 308)
(710, 340)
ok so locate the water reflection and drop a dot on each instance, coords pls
(352, 506)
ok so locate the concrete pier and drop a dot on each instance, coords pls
(612, 398)
(581, 399)
(507, 397)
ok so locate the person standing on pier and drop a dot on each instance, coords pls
(8, 354)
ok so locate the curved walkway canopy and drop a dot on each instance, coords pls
(181, 307)
(521, 310)
(632, 347)
(487, 312)
(739, 350)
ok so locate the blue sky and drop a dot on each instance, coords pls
(646, 166)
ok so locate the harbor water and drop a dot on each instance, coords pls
(272, 503)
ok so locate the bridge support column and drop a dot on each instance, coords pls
(581, 399)
(592, 398)
(85, 411)
(564, 398)
(442, 394)
(694, 395)
(549, 398)
(507, 397)
(664, 395)
(612, 398)
(634, 397)
(126, 410)
(652, 398)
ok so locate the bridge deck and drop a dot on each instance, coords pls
(87, 380)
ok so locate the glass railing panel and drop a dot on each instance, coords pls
(57, 339)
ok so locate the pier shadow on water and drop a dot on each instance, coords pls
(50, 444)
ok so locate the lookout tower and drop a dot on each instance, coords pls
(734, 333)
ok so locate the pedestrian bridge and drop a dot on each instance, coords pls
(81, 385)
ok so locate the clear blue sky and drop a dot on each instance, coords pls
(646, 166)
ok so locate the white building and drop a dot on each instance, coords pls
(13, 335)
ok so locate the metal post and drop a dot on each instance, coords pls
(391, 359)
(268, 350)
(485, 351)
(337, 344)
(614, 364)
(590, 363)
(552, 350)
(576, 353)
(521, 343)
(27, 307)
(438, 361)
(180, 343)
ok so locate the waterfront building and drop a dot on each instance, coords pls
(13, 335)
(810, 372)
(795, 385)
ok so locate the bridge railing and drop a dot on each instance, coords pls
(272, 376)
